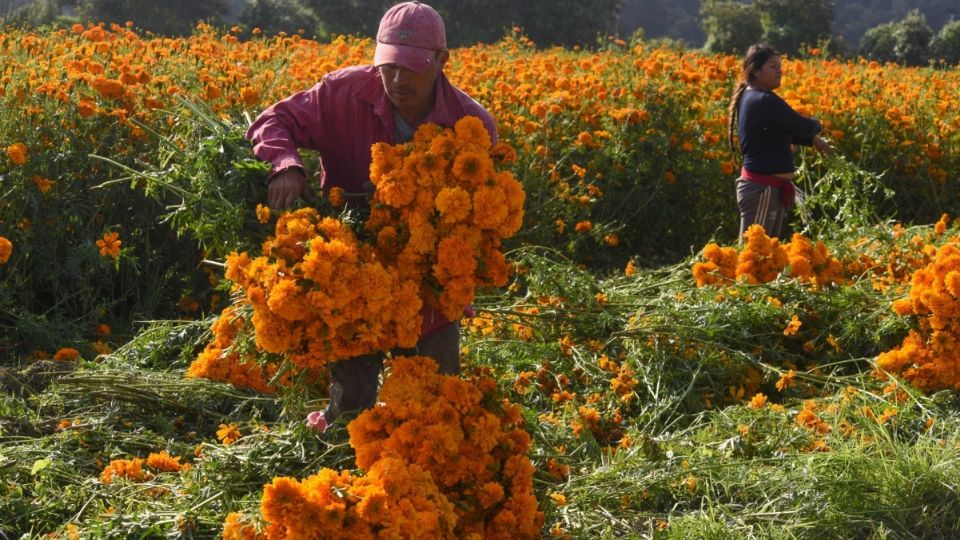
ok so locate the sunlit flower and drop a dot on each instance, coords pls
(228, 433)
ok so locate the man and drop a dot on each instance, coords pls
(342, 117)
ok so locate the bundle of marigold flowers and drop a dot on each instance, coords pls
(319, 294)
(219, 361)
(441, 209)
(929, 356)
(444, 458)
(762, 259)
(470, 442)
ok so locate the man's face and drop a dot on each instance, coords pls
(409, 91)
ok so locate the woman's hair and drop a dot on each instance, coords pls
(757, 55)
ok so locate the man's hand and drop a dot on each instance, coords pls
(285, 188)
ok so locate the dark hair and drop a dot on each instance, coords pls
(757, 55)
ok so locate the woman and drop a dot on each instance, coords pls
(767, 128)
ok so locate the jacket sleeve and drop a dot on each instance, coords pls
(288, 125)
(802, 129)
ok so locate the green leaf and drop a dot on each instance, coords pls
(40, 465)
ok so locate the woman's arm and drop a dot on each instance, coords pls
(801, 128)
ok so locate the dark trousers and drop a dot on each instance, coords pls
(356, 380)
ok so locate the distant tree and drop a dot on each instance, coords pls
(566, 22)
(546, 22)
(355, 17)
(275, 16)
(913, 36)
(730, 26)
(475, 21)
(854, 17)
(791, 24)
(879, 43)
(677, 19)
(170, 17)
(946, 44)
(35, 13)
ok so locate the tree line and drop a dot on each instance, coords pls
(883, 30)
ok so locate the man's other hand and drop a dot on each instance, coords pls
(285, 188)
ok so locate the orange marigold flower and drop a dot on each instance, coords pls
(108, 88)
(583, 226)
(472, 167)
(758, 401)
(503, 153)
(17, 153)
(6, 248)
(471, 131)
(941, 226)
(454, 204)
(263, 213)
(131, 469)
(335, 196)
(792, 327)
(228, 434)
(86, 108)
(164, 462)
(66, 354)
(786, 380)
(110, 244)
(43, 184)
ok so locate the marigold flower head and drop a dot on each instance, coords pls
(228, 433)
(43, 184)
(17, 153)
(6, 248)
(263, 213)
(110, 244)
(66, 354)
(793, 326)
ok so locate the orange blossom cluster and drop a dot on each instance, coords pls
(762, 259)
(444, 459)
(319, 294)
(929, 356)
(441, 209)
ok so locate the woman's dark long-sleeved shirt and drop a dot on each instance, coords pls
(768, 126)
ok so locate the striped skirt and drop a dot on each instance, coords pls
(760, 204)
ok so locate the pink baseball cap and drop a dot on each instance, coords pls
(410, 34)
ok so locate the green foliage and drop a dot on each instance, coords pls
(946, 44)
(275, 16)
(36, 13)
(879, 43)
(913, 36)
(731, 26)
(855, 17)
(675, 19)
(566, 22)
(907, 41)
(173, 17)
(209, 191)
(792, 24)
(838, 194)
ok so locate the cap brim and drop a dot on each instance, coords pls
(412, 58)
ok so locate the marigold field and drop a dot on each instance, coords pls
(630, 370)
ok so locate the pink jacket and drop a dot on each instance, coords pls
(341, 117)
